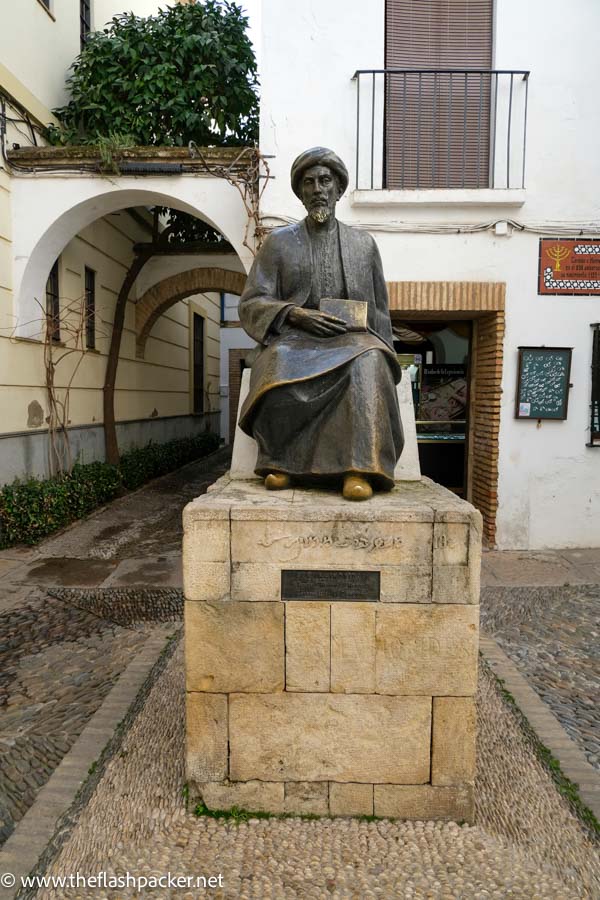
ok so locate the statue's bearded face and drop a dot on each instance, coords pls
(320, 192)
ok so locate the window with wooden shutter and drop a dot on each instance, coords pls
(198, 363)
(595, 404)
(437, 124)
(85, 21)
(90, 308)
(53, 304)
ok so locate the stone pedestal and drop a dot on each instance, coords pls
(331, 650)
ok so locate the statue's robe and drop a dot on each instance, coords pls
(321, 407)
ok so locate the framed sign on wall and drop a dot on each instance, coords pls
(569, 267)
(543, 383)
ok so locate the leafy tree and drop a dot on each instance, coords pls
(183, 228)
(188, 73)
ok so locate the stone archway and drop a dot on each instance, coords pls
(157, 299)
(43, 227)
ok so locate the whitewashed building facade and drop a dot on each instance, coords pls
(470, 130)
(458, 175)
(66, 235)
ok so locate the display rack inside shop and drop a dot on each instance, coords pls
(439, 393)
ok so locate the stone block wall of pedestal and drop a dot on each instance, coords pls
(359, 699)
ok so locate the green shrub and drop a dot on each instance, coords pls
(187, 73)
(29, 510)
(32, 509)
(143, 463)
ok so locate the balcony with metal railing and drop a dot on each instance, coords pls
(442, 130)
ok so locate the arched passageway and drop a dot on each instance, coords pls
(157, 299)
(49, 211)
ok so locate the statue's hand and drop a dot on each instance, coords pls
(316, 322)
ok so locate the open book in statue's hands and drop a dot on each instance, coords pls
(352, 312)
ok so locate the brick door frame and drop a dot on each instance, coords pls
(483, 303)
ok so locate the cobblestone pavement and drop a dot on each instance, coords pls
(552, 634)
(58, 661)
(63, 647)
(526, 844)
(66, 646)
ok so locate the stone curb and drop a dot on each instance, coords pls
(545, 724)
(25, 846)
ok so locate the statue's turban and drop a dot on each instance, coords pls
(318, 156)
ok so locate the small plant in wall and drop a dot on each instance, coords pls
(208, 400)
(110, 148)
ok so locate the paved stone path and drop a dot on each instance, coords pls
(58, 664)
(63, 646)
(515, 568)
(552, 634)
(133, 542)
(64, 642)
(526, 844)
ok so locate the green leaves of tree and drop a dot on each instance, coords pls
(188, 73)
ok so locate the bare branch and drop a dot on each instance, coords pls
(248, 184)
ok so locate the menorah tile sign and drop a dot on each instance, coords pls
(569, 266)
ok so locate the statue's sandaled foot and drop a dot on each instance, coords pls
(356, 488)
(277, 481)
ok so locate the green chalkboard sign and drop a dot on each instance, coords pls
(543, 383)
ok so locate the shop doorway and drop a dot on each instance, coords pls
(436, 355)
(479, 304)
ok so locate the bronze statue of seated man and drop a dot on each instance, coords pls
(322, 405)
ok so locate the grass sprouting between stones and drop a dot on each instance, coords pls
(567, 788)
(238, 816)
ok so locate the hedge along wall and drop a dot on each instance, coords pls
(32, 509)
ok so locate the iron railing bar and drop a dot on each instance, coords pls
(508, 134)
(495, 132)
(403, 133)
(524, 131)
(357, 129)
(433, 130)
(479, 126)
(372, 129)
(464, 159)
(384, 147)
(392, 71)
(449, 130)
(419, 130)
(423, 132)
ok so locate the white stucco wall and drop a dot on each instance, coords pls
(549, 482)
(104, 10)
(312, 101)
(38, 46)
